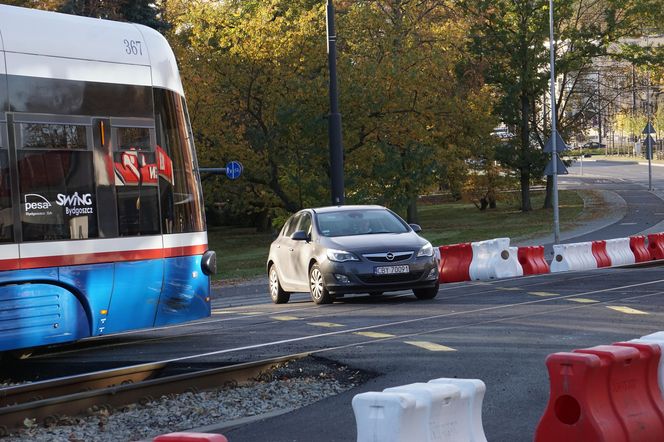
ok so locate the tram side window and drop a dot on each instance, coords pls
(136, 181)
(56, 182)
(53, 136)
(133, 138)
(6, 218)
(181, 197)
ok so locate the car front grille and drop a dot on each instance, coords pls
(386, 279)
(385, 257)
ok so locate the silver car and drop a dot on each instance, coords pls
(333, 251)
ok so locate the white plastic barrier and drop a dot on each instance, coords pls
(445, 417)
(575, 256)
(620, 252)
(657, 338)
(443, 409)
(388, 417)
(473, 391)
(493, 259)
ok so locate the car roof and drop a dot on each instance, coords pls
(328, 209)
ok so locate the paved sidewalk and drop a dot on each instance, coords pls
(610, 199)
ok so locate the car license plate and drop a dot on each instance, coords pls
(391, 270)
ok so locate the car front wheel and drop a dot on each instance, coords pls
(428, 293)
(278, 295)
(319, 293)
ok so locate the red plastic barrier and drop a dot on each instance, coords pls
(628, 388)
(656, 245)
(190, 437)
(639, 248)
(650, 354)
(455, 262)
(599, 252)
(532, 260)
(579, 407)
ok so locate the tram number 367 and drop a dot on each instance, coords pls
(133, 47)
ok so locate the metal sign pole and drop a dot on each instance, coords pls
(648, 137)
(554, 154)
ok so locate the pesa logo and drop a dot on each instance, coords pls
(35, 201)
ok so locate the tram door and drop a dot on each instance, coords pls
(126, 161)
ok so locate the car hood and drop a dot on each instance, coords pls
(379, 242)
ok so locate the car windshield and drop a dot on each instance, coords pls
(356, 222)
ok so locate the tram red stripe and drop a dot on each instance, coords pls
(96, 258)
(185, 251)
(9, 264)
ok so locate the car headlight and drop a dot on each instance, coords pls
(340, 256)
(426, 250)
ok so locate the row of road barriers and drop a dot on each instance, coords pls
(605, 253)
(487, 260)
(606, 393)
(495, 259)
(444, 409)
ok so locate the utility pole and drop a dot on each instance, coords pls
(334, 119)
(599, 110)
(632, 135)
(554, 154)
(648, 143)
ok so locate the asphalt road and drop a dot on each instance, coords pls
(499, 331)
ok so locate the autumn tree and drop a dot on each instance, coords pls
(411, 113)
(511, 37)
(256, 79)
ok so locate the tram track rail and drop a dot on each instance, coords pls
(45, 401)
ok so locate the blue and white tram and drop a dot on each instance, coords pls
(102, 227)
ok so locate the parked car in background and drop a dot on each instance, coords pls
(594, 145)
(333, 251)
(502, 133)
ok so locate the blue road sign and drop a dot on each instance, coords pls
(560, 144)
(234, 170)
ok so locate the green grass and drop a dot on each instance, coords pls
(463, 222)
(242, 253)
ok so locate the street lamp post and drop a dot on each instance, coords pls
(554, 154)
(648, 138)
(334, 119)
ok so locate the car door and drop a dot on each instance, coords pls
(284, 251)
(302, 251)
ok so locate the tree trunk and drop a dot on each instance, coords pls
(491, 197)
(412, 216)
(526, 206)
(548, 199)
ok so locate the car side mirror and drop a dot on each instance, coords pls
(300, 235)
(416, 228)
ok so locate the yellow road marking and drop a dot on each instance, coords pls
(285, 318)
(325, 324)
(543, 294)
(628, 310)
(374, 335)
(430, 346)
(582, 300)
(251, 313)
